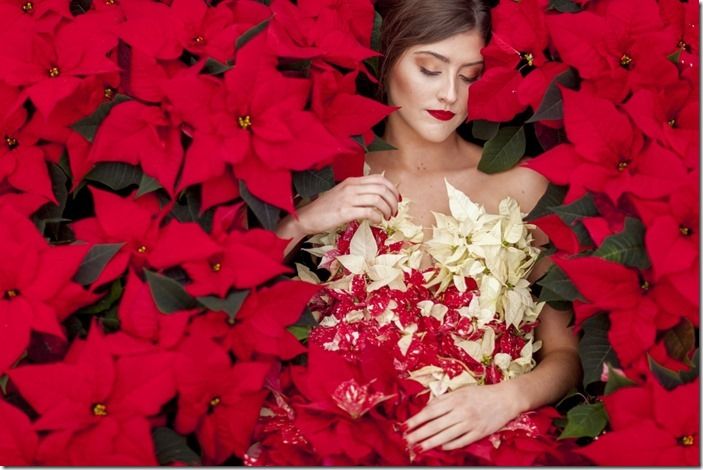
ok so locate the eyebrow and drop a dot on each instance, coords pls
(446, 59)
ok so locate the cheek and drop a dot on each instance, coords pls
(407, 88)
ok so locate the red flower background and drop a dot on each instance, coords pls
(149, 149)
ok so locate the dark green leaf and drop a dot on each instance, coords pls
(249, 34)
(169, 296)
(680, 340)
(553, 197)
(691, 375)
(564, 6)
(267, 214)
(110, 322)
(675, 57)
(3, 383)
(551, 107)
(310, 183)
(215, 67)
(626, 247)
(94, 262)
(147, 184)
(616, 381)
(484, 130)
(230, 305)
(587, 420)
(558, 286)
(571, 400)
(668, 378)
(300, 332)
(79, 7)
(376, 32)
(88, 126)
(595, 349)
(503, 151)
(106, 302)
(115, 175)
(577, 210)
(171, 448)
(379, 145)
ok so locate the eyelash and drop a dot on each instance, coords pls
(434, 74)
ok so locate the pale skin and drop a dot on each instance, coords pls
(438, 76)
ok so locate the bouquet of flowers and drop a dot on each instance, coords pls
(394, 334)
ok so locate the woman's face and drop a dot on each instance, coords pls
(430, 83)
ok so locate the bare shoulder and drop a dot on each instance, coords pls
(525, 185)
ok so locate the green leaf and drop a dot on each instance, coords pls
(230, 305)
(379, 145)
(115, 175)
(52, 213)
(376, 32)
(691, 375)
(595, 349)
(171, 447)
(110, 322)
(94, 262)
(169, 296)
(215, 67)
(310, 183)
(106, 302)
(577, 210)
(88, 126)
(616, 381)
(556, 286)
(267, 214)
(503, 151)
(484, 130)
(551, 106)
(564, 6)
(3, 383)
(79, 7)
(675, 57)
(553, 197)
(626, 247)
(249, 34)
(668, 378)
(147, 184)
(680, 340)
(587, 420)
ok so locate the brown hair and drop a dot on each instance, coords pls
(407, 23)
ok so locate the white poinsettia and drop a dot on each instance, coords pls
(401, 227)
(363, 258)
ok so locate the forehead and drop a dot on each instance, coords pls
(459, 49)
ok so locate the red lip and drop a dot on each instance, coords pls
(441, 115)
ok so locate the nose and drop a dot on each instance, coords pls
(448, 92)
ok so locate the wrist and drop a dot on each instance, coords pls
(515, 396)
(290, 228)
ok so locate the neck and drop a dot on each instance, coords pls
(415, 153)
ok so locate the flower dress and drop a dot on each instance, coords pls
(395, 331)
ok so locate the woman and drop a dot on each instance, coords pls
(432, 55)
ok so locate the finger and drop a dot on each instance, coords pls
(462, 441)
(374, 200)
(447, 435)
(431, 428)
(381, 190)
(380, 179)
(433, 410)
(369, 213)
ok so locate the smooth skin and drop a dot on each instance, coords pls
(438, 76)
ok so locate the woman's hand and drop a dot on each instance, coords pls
(462, 416)
(371, 197)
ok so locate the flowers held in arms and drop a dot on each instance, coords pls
(403, 320)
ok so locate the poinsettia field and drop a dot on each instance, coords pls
(150, 148)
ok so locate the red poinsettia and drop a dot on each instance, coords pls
(137, 223)
(39, 16)
(683, 19)
(245, 259)
(218, 401)
(650, 426)
(18, 441)
(36, 287)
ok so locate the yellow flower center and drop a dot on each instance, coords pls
(27, 7)
(529, 58)
(687, 440)
(54, 72)
(12, 293)
(215, 401)
(110, 2)
(244, 122)
(623, 164)
(217, 267)
(685, 231)
(109, 93)
(682, 45)
(625, 60)
(671, 122)
(141, 249)
(198, 39)
(11, 142)
(99, 409)
(644, 286)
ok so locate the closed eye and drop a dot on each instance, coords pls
(469, 79)
(429, 72)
